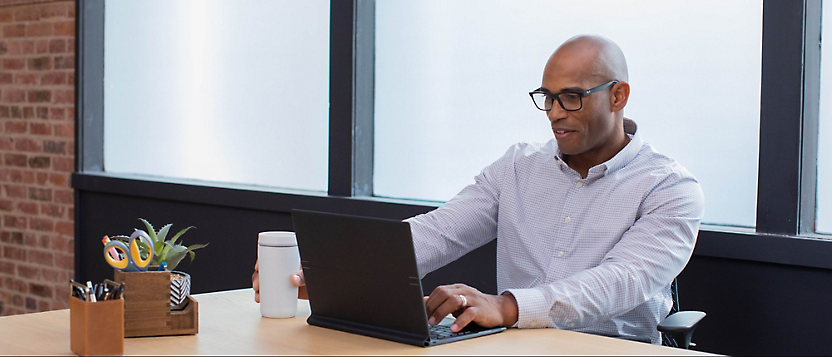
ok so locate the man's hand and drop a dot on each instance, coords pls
(255, 281)
(296, 278)
(486, 310)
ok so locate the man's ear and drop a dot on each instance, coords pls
(620, 94)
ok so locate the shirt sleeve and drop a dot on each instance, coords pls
(466, 222)
(644, 261)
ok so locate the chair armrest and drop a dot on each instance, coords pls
(681, 321)
(677, 329)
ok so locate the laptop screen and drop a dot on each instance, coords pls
(361, 270)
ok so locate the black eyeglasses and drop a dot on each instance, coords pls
(569, 101)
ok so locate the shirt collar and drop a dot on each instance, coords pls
(621, 159)
(629, 152)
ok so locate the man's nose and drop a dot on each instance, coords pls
(556, 113)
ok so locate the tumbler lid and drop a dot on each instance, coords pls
(277, 239)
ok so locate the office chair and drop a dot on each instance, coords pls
(677, 328)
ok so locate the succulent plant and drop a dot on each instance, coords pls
(167, 250)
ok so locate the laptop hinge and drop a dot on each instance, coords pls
(367, 330)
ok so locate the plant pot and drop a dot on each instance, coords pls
(180, 288)
(147, 305)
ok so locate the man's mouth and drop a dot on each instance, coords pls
(562, 134)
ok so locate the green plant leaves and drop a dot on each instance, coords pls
(176, 236)
(164, 249)
(174, 255)
(150, 231)
(163, 232)
(195, 246)
(122, 238)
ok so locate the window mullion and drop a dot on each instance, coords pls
(781, 113)
(811, 109)
(352, 43)
(89, 101)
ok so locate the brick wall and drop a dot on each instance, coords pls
(37, 150)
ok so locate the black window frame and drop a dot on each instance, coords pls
(790, 86)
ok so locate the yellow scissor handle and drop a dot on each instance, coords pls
(135, 252)
(118, 264)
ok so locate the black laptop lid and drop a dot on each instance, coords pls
(361, 270)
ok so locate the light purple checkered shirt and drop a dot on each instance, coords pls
(593, 255)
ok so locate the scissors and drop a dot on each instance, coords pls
(132, 260)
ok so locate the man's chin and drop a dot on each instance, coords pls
(565, 148)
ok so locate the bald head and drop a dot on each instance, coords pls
(594, 56)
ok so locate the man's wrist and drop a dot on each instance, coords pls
(508, 309)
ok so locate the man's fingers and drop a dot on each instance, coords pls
(448, 299)
(255, 281)
(255, 285)
(438, 297)
(297, 279)
(467, 304)
(433, 306)
(452, 303)
(432, 303)
(464, 319)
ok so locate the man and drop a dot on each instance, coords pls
(591, 227)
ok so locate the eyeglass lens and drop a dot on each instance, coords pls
(568, 101)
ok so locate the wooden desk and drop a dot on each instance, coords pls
(230, 324)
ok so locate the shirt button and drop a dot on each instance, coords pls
(533, 324)
(560, 254)
(571, 324)
(579, 184)
(567, 220)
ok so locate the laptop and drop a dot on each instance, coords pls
(361, 277)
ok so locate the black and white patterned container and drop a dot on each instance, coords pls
(180, 288)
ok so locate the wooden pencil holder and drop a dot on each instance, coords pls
(147, 309)
(96, 328)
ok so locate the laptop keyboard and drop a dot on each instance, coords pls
(441, 331)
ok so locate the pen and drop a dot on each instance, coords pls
(108, 290)
(163, 266)
(90, 292)
(99, 292)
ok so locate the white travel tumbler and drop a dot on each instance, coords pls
(278, 260)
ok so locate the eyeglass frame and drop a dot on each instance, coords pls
(580, 94)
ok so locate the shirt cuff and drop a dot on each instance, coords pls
(532, 311)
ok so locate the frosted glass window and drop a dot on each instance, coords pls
(218, 90)
(452, 81)
(823, 221)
